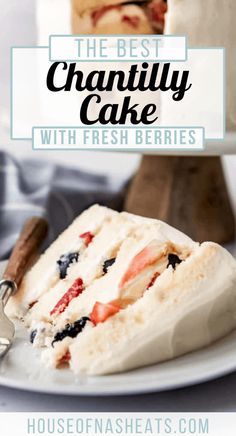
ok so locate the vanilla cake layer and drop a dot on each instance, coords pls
(45, 274)
(185, 309)
(159, 230)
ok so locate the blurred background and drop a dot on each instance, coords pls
(21, 25)
(57, 184)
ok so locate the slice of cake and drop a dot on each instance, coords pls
(139, 292)
(124, 236)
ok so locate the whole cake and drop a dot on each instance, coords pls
(206, 24)
(118, 16)
(117, 291)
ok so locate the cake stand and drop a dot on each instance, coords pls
(188, 192)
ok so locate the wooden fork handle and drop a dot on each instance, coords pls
(26, 247)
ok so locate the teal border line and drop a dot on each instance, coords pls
(134, 150)
(207, 140)
(120, 60)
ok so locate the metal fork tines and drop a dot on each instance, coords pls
(7, 329)
(4, 346)
(24, 252)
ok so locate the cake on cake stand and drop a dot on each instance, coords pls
(188, 192)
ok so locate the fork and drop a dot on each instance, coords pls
(23, 254)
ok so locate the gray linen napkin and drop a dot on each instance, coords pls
(31, 187)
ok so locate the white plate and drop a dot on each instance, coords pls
(21, 368)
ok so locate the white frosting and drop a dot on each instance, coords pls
(41, 331)
(208, 23)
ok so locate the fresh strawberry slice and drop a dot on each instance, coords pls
(158, 11)
(146, 257)
(132, 21)
(73, 292)
(66, 357)
(102, 311)
(96, 15)
(87, 237)
(156, 275)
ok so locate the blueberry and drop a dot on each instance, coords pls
(107, 264)
(173, 260)
(65, 261)
(71, 330)
(33, 335)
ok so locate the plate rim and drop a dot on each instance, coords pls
(80, 391)
(136, 388)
